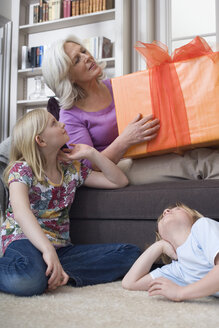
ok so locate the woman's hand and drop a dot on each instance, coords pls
(57, 276)
(140, 130)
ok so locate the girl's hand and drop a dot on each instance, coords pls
(168, 249)
(165, 287)
(140, 129)
(57, 276)
(79, 151)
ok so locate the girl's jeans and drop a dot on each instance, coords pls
(22, 268)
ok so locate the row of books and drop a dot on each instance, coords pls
(47, 10)
(81, 7)
(56, 9)
(99, 46)
(32, 56)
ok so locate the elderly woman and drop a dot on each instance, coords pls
(88, 111)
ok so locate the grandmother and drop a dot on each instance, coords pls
(88, 111)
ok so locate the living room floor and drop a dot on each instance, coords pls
(105, 306)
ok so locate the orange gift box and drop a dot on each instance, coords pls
(181, 90)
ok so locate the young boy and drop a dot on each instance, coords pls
(192, 242)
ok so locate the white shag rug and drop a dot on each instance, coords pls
(105, 306)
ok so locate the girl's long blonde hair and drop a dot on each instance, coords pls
(23, 144)
(195, 216)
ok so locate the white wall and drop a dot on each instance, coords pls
(5, 8)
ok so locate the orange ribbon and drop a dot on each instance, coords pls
(166, 93)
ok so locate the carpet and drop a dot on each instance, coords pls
(105, 306)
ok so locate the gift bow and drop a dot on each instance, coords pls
(166, 93)
(156, 53)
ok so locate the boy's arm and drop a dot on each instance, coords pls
(138, 277)
(206, 286)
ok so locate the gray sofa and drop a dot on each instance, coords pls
(129, 214)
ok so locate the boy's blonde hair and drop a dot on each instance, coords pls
(23, 144)
(195, 216)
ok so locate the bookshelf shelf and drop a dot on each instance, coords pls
(107, 60)
(30, 2)
(61, 23)
(32, 103)
(31, 72)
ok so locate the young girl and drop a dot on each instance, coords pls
(42, 180)
(192, 241)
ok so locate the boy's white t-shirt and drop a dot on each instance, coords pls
(195, 257)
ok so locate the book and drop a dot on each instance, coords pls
(95, 46)
(54, 9)
(58, 9)
(50, 3)
(100, 5)
(73, 7)
(41, 51)
(44, 12)
(94, 6)
(77, 7)
(104, 5)
(110, 4)
(64, 6)
(33, 57)
(25, 63)
(90, 6)
(47, 11)
(37, 63)
(40, 11)
(86, 6)
(68, 8)
(105, 47)
(35, 14)
(91, 44)
(81, 4)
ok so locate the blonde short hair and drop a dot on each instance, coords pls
(23, 144)
(195, 215)
(55, 67)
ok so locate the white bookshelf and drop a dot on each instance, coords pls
(114, 24)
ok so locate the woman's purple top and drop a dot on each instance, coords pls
(97, 129)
